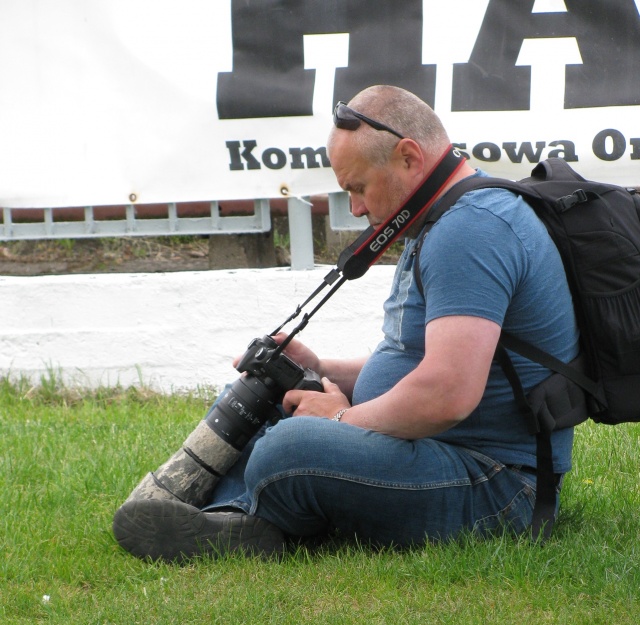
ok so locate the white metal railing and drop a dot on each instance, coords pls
(15, 227)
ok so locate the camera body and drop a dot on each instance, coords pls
(253, 399)
(276, 372)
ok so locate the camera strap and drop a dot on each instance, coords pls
(355, 260)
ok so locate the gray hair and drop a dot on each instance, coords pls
(401, 110)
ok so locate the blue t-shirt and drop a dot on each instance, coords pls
(488, 256)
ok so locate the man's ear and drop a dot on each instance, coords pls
(412, 157)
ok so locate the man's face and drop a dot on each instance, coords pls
(375, 192)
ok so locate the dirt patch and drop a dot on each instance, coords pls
(159, 254)
(36, 258)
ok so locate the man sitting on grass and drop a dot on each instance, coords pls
(423, 439)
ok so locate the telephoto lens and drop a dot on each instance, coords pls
(192, 473)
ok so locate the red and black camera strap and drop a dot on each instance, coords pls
(355, 260)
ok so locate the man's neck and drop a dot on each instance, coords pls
(464, 172)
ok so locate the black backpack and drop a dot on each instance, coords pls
(596, 228)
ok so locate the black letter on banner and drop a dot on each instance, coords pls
(269, 79)
(635, 144)
(310, 155)
(568, 151)
(385, 48)
(273, 158)
(600, 148)
(526, 149)
(237, 156)
(479, 152)
(607, 33)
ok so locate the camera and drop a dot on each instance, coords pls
(253, 398)
(217, 442)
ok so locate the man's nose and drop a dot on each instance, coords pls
(358, 208)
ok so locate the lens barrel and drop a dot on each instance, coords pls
(192, 473)
(243, 410)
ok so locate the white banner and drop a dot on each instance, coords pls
(120, 101)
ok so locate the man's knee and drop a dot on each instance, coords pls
(289, 446)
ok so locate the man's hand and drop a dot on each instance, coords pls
(299, 353)
(315, 404)
(343, 372)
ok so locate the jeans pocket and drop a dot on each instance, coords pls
(514, 517)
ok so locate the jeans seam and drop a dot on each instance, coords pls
(490, 462)
(255, 496)
(370, 482)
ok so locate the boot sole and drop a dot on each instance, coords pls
(175, 532)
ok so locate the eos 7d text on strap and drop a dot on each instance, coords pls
(354, 261)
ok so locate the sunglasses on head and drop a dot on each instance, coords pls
(346, 118)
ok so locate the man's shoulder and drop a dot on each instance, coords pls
(484, 203)
(489, 198)
(497, 216)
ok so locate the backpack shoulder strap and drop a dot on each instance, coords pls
(531, 352)
(451, 197)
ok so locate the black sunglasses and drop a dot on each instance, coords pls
(346, 118)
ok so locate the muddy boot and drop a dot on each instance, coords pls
(174, 532)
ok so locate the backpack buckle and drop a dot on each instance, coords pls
(569, 201)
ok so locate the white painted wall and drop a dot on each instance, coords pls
(173, 331)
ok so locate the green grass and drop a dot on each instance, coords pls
(68, 459)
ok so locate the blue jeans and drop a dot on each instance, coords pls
(310, 476)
